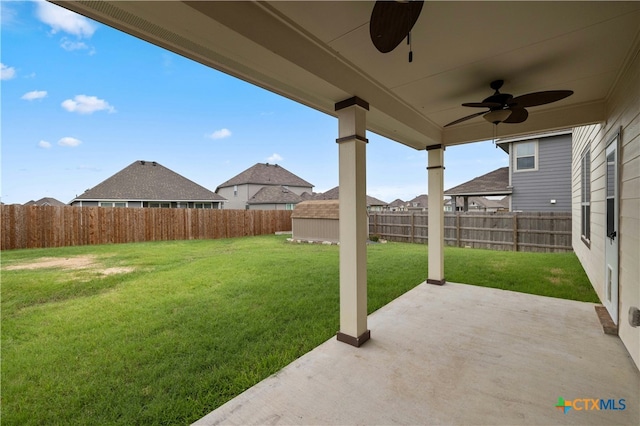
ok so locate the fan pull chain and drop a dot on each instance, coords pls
(410, 49)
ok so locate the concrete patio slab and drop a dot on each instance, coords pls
(455, 354)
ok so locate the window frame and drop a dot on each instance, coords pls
(535, 156)
(203, 205)
(124, 204)
(159, 205)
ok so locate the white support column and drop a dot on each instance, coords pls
(353, 221)
(435, 170)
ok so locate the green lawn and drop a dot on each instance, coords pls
(190, 324)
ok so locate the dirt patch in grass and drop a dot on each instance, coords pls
(556, 277)
(70, 263)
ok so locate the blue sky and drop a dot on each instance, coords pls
(81, 101)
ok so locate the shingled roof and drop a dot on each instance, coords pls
(148, 180)
(317, 209)
(492, 183)
(420, 201)
(46, 201)
(334, 194)
(275, 195)
(266, 174)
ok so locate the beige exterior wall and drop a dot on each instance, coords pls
(235, 202)
(247, 191)
(316, 229)
(623, 112)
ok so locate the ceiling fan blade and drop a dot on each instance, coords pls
(518, 115)
(539, 98)
(468, 117)
(391, 22)
(482, 104)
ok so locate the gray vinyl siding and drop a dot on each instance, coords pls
(534, 190)
(235, 202)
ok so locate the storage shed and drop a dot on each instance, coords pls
(316, 220)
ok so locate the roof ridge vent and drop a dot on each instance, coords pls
(142, 162)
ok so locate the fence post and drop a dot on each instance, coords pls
(413, 226)
(457, 229)
(515, 231)
(375, 223)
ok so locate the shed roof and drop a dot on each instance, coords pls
(317, 209)
(492, 183)
(148, 180)
(266, 174)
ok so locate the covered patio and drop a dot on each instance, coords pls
(456, 354)
(441, 354)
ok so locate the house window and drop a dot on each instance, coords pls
(113, 204)
(585, 195)
(235, 190)
(160, 205)
(289, 206)
(203, 206)
(526, 154)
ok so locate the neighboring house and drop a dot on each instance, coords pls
(419, 203)
(274, 198)
(373, 204)
(46, 201)
(282, 189)
(477, 204)
(397, 205)
(149, 184)
(495, 183)
(540, 171)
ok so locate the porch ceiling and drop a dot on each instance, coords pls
(319, 53)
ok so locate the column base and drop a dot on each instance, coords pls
(354, 341)
(436, 282)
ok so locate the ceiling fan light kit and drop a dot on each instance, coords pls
(504, 108)
(497, 116)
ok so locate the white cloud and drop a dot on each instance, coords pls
(34, 94)
(60, 19)
(70, 45)
(274, 158)
(84, 104)
(6, 73)
(44, 144)
(69, 141)
(220, 134)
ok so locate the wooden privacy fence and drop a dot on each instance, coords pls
(540, 232)
(48, 226)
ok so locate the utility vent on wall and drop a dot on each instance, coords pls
(634, 316)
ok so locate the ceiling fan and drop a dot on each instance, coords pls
(504, 108)
(391, 22)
